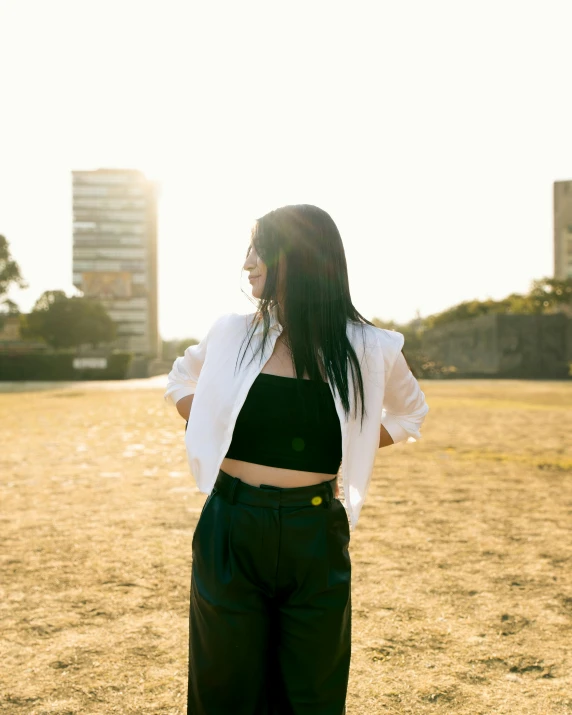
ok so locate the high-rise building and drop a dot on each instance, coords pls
(115, 251)
(562, 229)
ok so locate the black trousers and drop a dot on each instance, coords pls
(270, 612)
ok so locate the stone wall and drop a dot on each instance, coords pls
(535, 346)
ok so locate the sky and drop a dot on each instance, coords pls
(432, 133)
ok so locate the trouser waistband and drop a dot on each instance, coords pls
(233, 489)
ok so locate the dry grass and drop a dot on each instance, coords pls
(462, 560)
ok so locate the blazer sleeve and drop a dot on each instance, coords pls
(184, 376)
(404, 404)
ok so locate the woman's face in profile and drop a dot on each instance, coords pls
(257, 271)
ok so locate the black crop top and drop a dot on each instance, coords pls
(290, 423)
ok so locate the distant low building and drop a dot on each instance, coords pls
(511, 346)
(11, 340)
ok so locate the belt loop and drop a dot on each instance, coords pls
(232, 492)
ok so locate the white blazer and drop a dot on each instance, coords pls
(392, 395)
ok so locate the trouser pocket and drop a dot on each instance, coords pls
(202, 515)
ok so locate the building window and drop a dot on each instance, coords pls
(108, 203)
(107, 266)
(83, 266)
(128, 316)
(125, 304)
(79, 190)
(121, 228)
(85, 226)
(133, 253)
(138, 266)
(83, 253)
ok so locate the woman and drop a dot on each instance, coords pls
(281, 399)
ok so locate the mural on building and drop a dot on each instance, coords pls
(107, 285)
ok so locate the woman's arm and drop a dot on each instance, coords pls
(404, 405)
(385, 438)
(184, 406)
(184, 376)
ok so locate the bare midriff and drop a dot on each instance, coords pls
(257, 474)
(280, 363)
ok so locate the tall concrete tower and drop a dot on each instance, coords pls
(562, 229)
(115, 251)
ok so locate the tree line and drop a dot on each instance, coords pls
(56, 319)
(68, 322)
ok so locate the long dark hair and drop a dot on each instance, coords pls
(305, 258)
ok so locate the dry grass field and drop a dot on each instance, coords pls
(462, 559)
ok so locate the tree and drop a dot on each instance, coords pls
(64, 322)
(184, 344)
(473, 309)
(9, 275)
(550, 294)
(546, 295)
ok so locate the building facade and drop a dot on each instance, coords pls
(562, 229)
(115, 252)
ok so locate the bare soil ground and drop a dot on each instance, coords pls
(461, 561)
